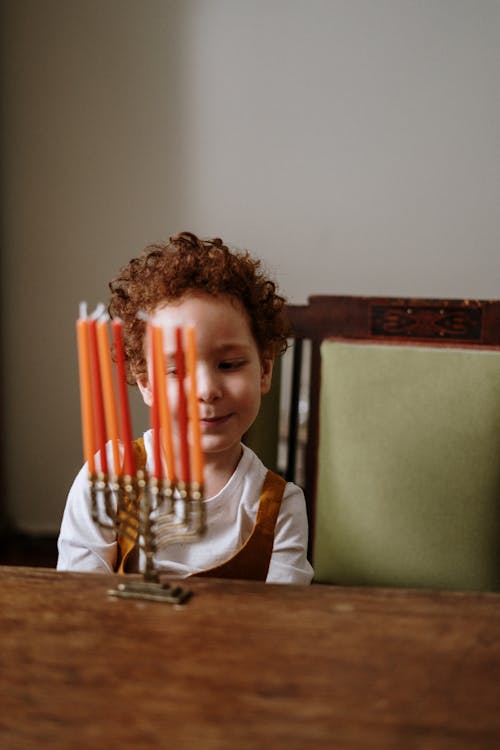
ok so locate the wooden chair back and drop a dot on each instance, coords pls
(392, 327)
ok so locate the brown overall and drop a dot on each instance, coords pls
(252, 560)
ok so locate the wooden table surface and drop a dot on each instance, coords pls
(245, 665)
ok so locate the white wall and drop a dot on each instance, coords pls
(354, 145)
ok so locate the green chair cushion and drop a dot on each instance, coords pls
(408, 467)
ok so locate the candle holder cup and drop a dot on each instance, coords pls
(149, 513)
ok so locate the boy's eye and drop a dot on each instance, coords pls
(231, 364)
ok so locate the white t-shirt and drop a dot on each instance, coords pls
(230, 518)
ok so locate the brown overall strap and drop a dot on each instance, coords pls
(127, 545)
(252, 560)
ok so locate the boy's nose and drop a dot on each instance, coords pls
(208, 384)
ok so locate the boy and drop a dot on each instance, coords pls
(256, 523)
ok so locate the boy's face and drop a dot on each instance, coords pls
(231, 374)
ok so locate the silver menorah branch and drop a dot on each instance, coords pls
(149, 513)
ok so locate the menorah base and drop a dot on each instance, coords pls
(152, 591)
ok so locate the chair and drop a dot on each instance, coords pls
(402, 453)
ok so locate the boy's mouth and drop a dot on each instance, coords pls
(215, 421)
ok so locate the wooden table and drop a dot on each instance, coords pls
(245, 665)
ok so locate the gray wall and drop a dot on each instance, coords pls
(354, 145)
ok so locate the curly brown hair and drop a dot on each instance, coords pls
(165, 272)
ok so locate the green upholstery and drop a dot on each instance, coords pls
(408, 467)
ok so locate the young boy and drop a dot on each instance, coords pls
(256, 524)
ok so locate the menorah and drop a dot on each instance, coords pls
(145, 509)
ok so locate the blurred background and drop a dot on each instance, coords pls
(354, 145)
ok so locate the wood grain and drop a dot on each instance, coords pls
(245, 665)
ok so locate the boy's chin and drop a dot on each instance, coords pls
(215, 448)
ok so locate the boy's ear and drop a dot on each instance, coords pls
(266, 374)
(145, 389)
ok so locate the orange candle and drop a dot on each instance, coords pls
(99, 419)
(165, 416)
(182, 406)
(194, 412)
(155, 410)
(86, 405)
(108, 390)
(126, 422)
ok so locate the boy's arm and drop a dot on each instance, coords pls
(82, 544)
(289, 563)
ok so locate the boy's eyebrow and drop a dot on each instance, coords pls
(233, 346)
(236, 347)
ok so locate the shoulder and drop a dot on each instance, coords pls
(250, 469)
(253, 473)
(143, 450)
